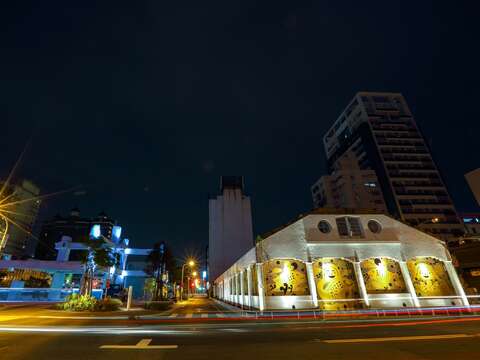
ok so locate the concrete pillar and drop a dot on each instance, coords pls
(311, 283)
(457, 285)
(237, 289)
(63, 251)
(409, 283)
(361, 283)
(240, 278)
(58, 280)
(261, 290)
(249, 285)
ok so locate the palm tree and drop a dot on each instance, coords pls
(98, 253)
(160, 262)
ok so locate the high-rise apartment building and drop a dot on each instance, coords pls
(349, 187)
(230, 225)
(19, 235)
(382, 133)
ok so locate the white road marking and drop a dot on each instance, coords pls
(399, 338)
(143, 344)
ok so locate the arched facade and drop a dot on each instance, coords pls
(285, 277)
(430, 277)
(383, 275)
(336, 284)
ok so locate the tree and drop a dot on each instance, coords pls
(160, 262)
(96, 254)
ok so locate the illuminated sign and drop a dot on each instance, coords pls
(95, 231)
(117, 232)
(204, 274)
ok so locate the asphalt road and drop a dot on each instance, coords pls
(383, 339)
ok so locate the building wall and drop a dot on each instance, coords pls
(19, 241)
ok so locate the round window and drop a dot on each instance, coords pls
(374, 226)
(324, 227)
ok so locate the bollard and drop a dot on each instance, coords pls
(129, 298)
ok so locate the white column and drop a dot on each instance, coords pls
(311, 283)
(261, 290)
(240, 278)
(237, 289)
(249, 285)
(457, 285)
(409, 283)
(361, 283)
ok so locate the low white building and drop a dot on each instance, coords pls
(331, 260)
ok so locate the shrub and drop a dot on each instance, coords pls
(77, 302)
(157, 305)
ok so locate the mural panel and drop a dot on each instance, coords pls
(383, 276)
(429, 277)
(335, 280)
(285, 278)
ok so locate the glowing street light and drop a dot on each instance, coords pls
(190, 263)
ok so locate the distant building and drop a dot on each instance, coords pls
(471, 222)
(230, 225)
(19, 236)
(473, 180)
(74, 226)
(382, 133)
(35, 280)
(349, 187)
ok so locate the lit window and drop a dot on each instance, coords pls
(349, 226)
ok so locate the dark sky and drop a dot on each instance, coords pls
(146, 103)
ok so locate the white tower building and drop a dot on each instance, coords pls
(230, 225)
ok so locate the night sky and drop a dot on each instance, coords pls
(144, 104)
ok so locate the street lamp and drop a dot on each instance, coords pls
(190, 263)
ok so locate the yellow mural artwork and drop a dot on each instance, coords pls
(430, 277)
(382, 276)
(285, 278)
(335, 280)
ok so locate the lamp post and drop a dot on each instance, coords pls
(190, 263)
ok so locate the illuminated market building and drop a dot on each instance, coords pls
(338, 260)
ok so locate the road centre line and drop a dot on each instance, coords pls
(399, 338)
(143, 344)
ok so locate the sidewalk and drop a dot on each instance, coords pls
(211, 310)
